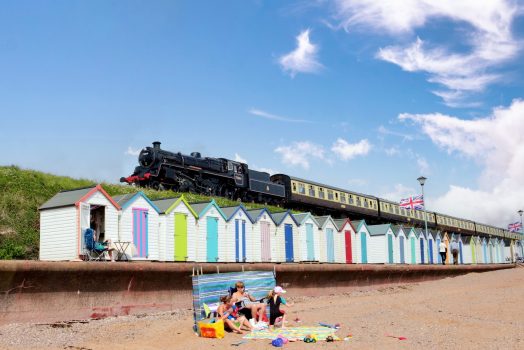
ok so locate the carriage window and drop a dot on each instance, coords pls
(330, 195)
(365, 203)
(336, 196)
(301, 188)
(402, 211)
(311, 191)
(395, 210)
(350, 199)
(343, 198)
(358, 201)
(321, 193)
(294, 187)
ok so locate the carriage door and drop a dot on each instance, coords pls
(330, 245)
(390, 249)
(430, 253)
(363, 247)
(85, 220)
(421, 251)
(212, 239)
(240, 240)
(349, 253)
(140, 234)
(401, 244)
(180, 237)
(289, 242)
(413, 251)
(309, 242)
(265, 240)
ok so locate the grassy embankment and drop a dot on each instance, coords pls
(23, 191)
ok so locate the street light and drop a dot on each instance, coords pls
(520, 213)
(422, 181)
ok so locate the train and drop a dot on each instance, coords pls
(164, 170)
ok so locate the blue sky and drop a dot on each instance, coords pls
(363, 95)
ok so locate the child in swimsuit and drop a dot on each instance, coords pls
(228, 312)
(247, 301)
(277, 306)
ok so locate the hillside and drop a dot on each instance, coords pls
(23, 191)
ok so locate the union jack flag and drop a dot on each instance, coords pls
(514, 227)
(416, 203)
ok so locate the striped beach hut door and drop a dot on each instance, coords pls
(212, 239)
(413, 251)
(422, 251)
(180, 237)
(390, 249)
(430, 246)
(439, 259)
(349, 253)
(265, 240)
(240, 240)
(364, 247)
(140, 232)
(490, 253)
(460, 253)
(288, 235)
(473, 252)
(309, 242)
(330, 245)
(401, 244)
(485, 250)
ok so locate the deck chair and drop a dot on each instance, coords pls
(92, 252)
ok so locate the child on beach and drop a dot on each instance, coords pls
(228, 312)
(248, 302)
(277, 306)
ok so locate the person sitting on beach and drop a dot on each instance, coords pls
(246, 301)
(277, 306)
(228, 312)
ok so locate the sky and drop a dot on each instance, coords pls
(360, 94)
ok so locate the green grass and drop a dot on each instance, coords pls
(23, 191)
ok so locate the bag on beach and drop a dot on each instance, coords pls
(211, 330)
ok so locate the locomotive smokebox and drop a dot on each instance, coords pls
(195, 154)
(156, 145)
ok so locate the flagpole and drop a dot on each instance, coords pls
(422, 180)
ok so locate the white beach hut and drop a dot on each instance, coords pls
(308, 236)
(328, 230)
(212, 242)
(239, 229)
(381, 244)
(412, 254)
(347, 233)
(285, 243)
(139, 224)
(65, 217)
(263, 228)
(400, 244)
(360, 246)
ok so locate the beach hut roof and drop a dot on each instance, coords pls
(358, 224)
(281, 216)
(72, 197)
(257, 213)
(378, 230)
(301, 217)
(167, 205)
(230, 212)
(340, 223)
(125, 200)
(323, 220)
(202, 208)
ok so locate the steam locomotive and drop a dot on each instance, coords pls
(160, 169)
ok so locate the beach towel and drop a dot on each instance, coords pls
(293, 332)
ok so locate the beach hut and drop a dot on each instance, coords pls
(380, 245)
(65, 217)
(438, 238)
(430, 251)
(485, 250)
(263, 228)
(178, 229)
(308, 236)
(491, 258)
(503, 248)
(239, 230)
(360, 246)
(400, 249)
(469, 254)
(510, 250)
(446, 238)
(460, 242)
(212, 242)
(328, 230)
(422, 246)
(347, 232)
(285, 241)
(478, 250)
(411, 252)
(138, 223)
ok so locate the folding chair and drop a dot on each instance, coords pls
(91, 251)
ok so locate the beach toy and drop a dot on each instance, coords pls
(277, 342)
(334, 326)
(394, 336)
(284, 339)
(329, 338)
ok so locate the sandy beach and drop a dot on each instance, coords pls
(477, 310)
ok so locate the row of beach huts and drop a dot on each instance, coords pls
(175, 230)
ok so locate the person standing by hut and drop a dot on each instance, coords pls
(455, 251)
(442, 251)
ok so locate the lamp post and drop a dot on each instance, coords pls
(520, 213)
(422, 180)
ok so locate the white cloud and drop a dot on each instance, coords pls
(423, 166)
(300, 153)
(303, 59)
(393, 151)
(497, 144)
(488, 36)
(405, 137)
(271, 116)
(238, 158)
(132, 152)
(347, 151)
(400, 191)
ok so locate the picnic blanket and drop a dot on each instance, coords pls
(293, 332)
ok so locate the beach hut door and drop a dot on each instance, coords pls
(264, 236)
(460, 250)
(438, 249)
(413, 252)
(180, 237)
(363, 247)
(330, 245)
(140, 232)
(421, 251)
(485, 252)
(349, 253)
(212, 239)
(289, 242)
(85, 219)
(390, 249)
(240, 240)
(309, 242)
(402, 259)
(430, 254)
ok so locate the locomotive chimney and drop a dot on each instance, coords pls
(156, 145)
(195, 154)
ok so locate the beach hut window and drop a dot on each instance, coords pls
(301, 188)
(330, 195)
(321, 193)
(311, 191)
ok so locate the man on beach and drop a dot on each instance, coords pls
(455, 251)
(442, 251)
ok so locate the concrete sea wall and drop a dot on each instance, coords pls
(35, 291)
